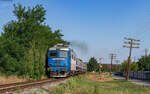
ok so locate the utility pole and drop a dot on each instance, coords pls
(112, 56)
(146, 51)
(145, 58)
(131, 45)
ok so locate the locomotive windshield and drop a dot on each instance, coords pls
(63, 54)
(53, 54)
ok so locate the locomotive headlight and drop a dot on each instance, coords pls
(50, 69)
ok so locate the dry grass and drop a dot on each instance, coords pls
(100, 78)
(10, 79)
(13, 79)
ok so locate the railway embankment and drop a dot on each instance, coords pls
(46, 88)
(31, 87)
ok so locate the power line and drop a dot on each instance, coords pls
(145, 27)
(142, 33)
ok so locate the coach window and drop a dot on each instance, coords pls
(53, 54)
(63, 54)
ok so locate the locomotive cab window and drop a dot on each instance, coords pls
(53, 54)
(63, 54)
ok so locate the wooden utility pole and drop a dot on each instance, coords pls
(131, 45)
(112, 56)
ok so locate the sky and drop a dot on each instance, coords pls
(97, 26)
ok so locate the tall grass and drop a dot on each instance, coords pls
(10, 79)
(83, 85)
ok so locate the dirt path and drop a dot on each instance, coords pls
(135, 81)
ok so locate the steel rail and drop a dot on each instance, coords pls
(21, 85)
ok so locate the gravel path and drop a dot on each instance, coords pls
(136, 81)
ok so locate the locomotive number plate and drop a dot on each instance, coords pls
(58, 59)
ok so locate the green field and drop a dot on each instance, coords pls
(84, 85)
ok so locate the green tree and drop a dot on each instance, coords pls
(25, 41)
(123, 66)
(143, 62)
(133, 66)
(92, 65)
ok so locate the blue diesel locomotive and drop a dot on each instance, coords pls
(63, 62)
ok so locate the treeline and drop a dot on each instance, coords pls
(143, 64)
(24, 43)
(93, 65)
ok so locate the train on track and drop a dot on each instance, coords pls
(62, 62)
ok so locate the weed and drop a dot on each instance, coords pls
(96, 90)
(16, 88)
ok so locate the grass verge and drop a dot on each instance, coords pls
(86, 85)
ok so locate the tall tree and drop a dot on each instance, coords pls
(143, 62)
(92, 65)
(25, 41)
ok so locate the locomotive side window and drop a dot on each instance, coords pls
(53, 54)
(63, 54)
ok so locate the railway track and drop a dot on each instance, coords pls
(6, 88)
